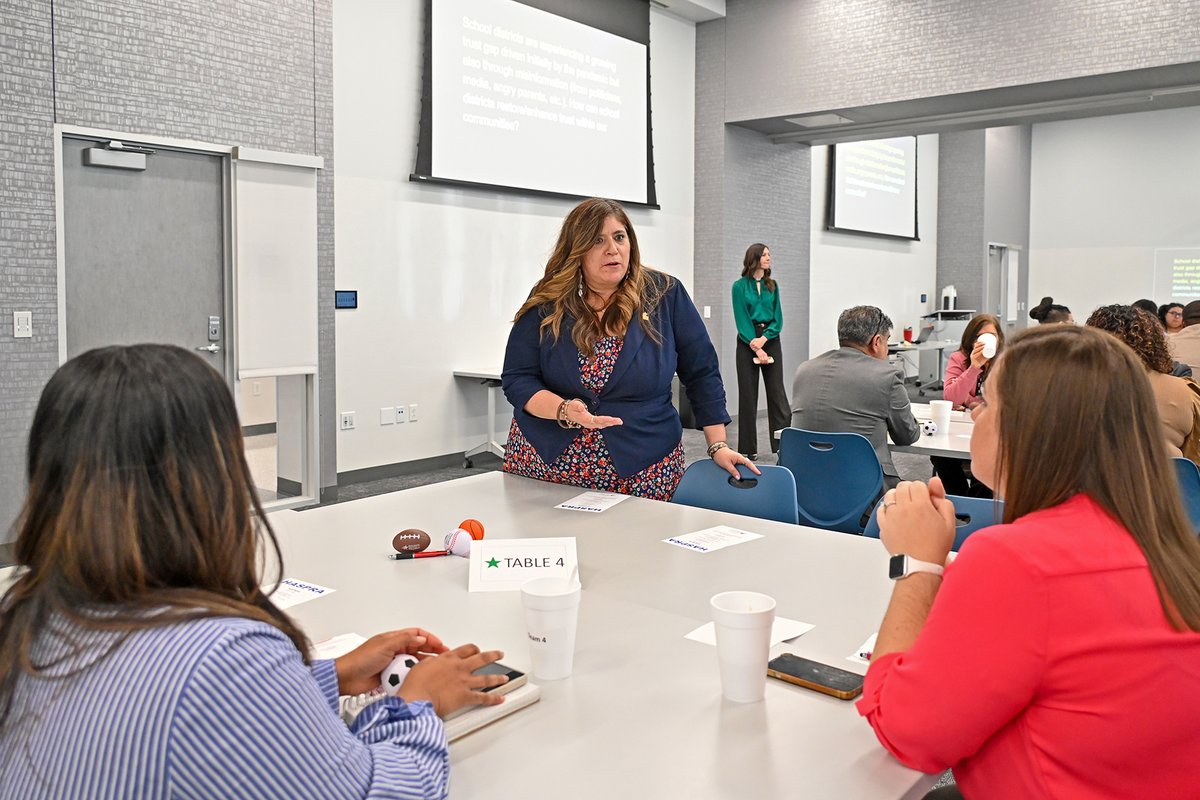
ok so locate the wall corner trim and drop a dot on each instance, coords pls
(277, 157)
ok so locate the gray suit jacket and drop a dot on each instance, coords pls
(847, 391)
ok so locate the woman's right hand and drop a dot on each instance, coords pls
(978, 359)
(447, 681)
(578, 413)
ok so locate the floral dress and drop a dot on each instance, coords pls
(586, 461)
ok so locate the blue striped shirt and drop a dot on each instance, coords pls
(217, 707)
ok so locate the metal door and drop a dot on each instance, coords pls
(145, 251)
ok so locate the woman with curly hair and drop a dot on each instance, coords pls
(1175, 399)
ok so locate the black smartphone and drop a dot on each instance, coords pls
(516, 678)
(840, 683)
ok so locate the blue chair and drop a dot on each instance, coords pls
(971, 514)
(771, 495)
(1189, 488)
(838, 477)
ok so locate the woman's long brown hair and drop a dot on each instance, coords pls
(1083, 395)
(971, 333)
(141, 511)
(559, 286)
(753, 260)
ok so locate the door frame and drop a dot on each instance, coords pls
(229, 153)
(228, 277)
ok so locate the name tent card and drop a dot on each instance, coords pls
(502, 565)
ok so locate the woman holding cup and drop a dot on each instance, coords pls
(982, 340)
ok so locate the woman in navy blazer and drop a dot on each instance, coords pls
(590, 360)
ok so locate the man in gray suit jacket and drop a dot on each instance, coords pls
(855, 390)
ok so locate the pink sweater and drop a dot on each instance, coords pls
(960, 381)
(1046, 669)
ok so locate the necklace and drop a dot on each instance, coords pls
(603, 306)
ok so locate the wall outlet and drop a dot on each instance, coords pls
(387, 416)
(22, 324)
(401, 413)
(412, 413)
(708, 312)
(347, 420)
(256, 388)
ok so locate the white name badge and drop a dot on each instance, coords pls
(502, 565)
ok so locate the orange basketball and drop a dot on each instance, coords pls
(473, 527)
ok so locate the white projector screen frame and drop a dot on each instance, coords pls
(521, 99)
(872, 188)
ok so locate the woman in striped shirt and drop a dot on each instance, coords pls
(138, 655)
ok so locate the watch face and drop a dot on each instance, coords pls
(896, 567)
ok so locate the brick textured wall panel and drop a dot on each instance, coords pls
(799, 56)
(257, 73)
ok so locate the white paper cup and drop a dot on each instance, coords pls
(551, 616)
(743, 624)
(989, 344)
(939, 412)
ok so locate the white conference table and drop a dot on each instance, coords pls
(954, 443)
(491, 379)
(642, 714)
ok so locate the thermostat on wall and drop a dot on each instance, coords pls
(345, 299)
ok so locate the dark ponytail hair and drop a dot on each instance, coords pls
(1047, 312)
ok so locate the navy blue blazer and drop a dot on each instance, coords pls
(638, 391)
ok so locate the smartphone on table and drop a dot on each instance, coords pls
(516, 679)
(840, 683)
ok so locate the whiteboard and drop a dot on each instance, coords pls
(275, 266)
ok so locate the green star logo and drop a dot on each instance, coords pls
(491, 562)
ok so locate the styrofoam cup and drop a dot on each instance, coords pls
(551, 617)
(989, 344)
(939, 412)
(743, 625)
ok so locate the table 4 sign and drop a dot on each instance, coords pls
(502, 565)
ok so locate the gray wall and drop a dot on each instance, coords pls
(983, 196)
(256, 73)
(1006, 195)
(794, 56)
(747, 190)
(961, 245)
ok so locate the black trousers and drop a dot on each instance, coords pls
(779, 413)
(955, 480)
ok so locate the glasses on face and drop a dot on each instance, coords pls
(1174, 313)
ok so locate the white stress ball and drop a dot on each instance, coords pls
(929, 427)
(395, 673)
(458, 542)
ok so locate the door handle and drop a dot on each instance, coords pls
(210, 348)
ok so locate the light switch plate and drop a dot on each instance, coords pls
(22, 324)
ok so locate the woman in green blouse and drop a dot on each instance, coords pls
(759, 322)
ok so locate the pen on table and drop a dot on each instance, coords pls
(422, 554)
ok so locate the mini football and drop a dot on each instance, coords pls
(410, 540)
(929, 427)
(395, 673)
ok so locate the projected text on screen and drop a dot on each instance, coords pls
(527, 99)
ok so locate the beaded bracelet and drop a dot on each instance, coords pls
(715, 446)
(563, 421)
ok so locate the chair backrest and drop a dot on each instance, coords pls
(771, 495)
(1188, 475)
(971, 514)
(838, 477)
